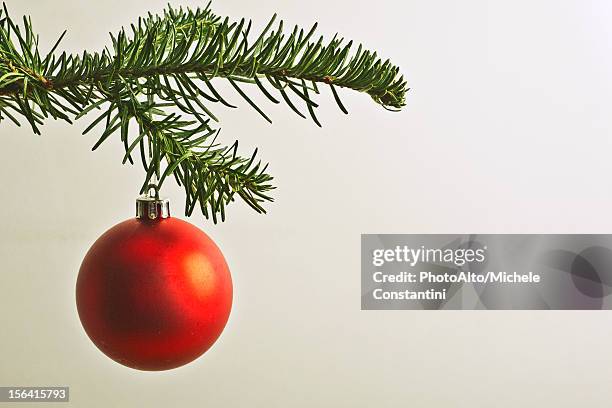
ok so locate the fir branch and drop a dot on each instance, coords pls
(159, 76)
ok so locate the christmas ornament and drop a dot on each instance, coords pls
(154, 292)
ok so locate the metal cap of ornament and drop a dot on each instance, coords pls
(152, 207)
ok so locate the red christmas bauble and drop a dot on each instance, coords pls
(154, 294)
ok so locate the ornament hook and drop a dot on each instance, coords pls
(154, 187)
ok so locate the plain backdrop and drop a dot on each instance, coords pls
(506, 130)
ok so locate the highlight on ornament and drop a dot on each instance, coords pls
(155, 292)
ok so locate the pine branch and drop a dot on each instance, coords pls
(160, 77)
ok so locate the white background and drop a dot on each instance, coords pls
(506, 130)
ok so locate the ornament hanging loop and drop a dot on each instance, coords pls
(155, 188)
(152, 207)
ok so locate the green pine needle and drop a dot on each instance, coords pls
(168, 62)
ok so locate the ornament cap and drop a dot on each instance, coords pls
(152, 208)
